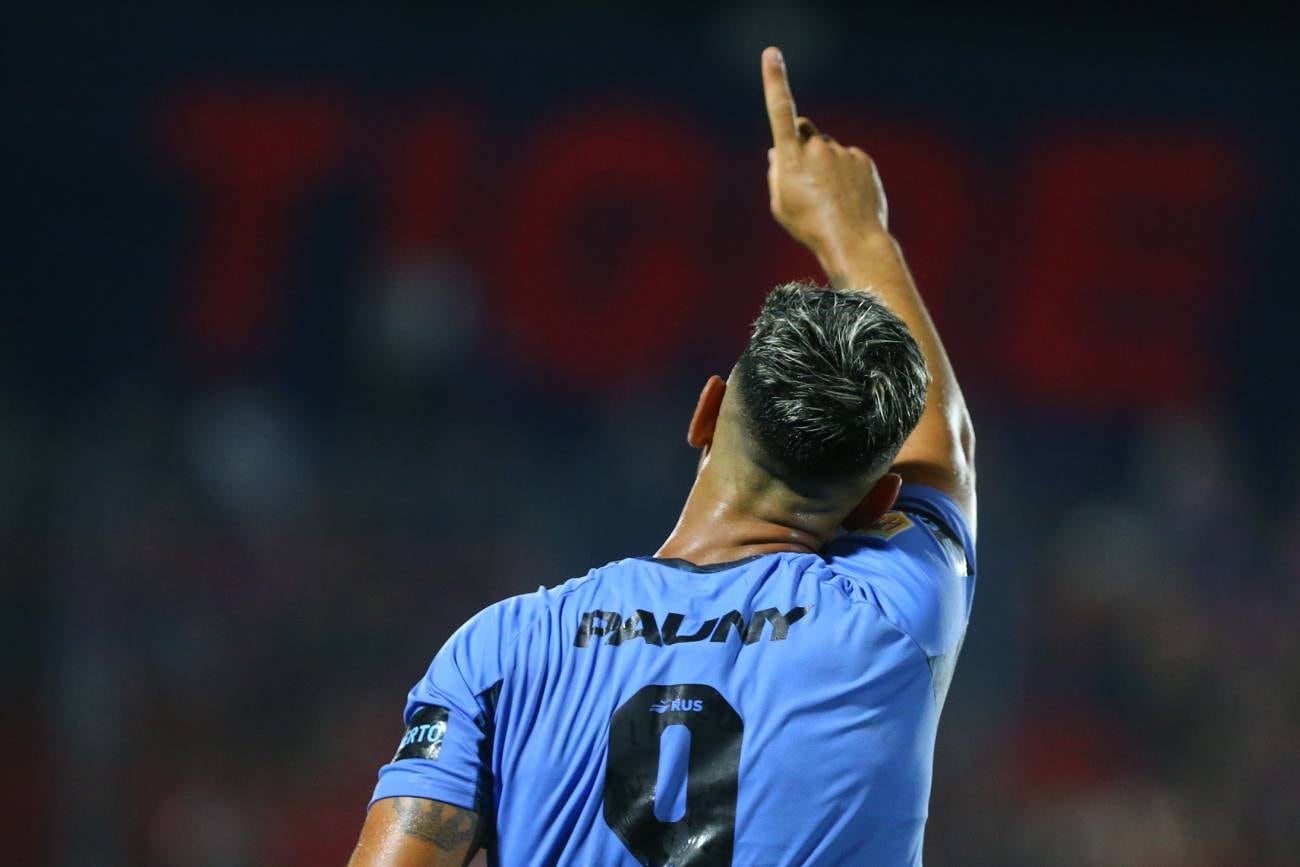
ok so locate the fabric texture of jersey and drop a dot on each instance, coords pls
(778, 710)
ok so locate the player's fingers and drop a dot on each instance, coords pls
(805, 128)
(822, 149)
(780, 102)
(818, 148)
(858, 153)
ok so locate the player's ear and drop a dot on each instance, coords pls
(877, 502)
(705, 418)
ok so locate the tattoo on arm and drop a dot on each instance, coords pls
(443, 825)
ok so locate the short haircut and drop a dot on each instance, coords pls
(831, 383)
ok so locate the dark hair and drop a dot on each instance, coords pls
(831, 382)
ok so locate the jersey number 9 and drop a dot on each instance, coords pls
(705, 833)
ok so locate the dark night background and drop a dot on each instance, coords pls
(325, 330)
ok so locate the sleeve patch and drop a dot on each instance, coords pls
(950, 545)
(889, 525)
(423, 739)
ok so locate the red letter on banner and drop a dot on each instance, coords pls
(255, 155)
(426, 189)
(605, 243)
(1127, 264)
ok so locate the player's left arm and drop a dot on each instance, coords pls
(417, 832)
(433, 803)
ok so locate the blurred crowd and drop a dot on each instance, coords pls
(1152, 717)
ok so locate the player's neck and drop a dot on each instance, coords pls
(727, 517)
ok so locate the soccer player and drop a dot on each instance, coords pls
(765, 690)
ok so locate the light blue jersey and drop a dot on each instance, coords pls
(777, 710)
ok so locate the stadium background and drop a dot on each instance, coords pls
(324, 331)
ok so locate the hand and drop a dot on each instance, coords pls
(827, 196)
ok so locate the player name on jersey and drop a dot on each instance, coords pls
(610, 627)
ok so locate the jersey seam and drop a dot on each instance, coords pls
(930, 534)
(875, 603)
(532, 624)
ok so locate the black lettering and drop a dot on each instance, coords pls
(644, 625)
(640, 625)
(780, 623)
(588, 629)
(673, 622)
(583, 638)
(729, 620)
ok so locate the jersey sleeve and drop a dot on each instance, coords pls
(445, 754)
(917, 564)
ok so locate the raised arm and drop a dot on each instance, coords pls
(830, 199)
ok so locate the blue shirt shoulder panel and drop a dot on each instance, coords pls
(449, 712)
(918, 565)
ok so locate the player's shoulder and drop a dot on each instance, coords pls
(924, 529)
(611, 579)
(916, 563)
(503, 623)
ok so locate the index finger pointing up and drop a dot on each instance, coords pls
(780, 102)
